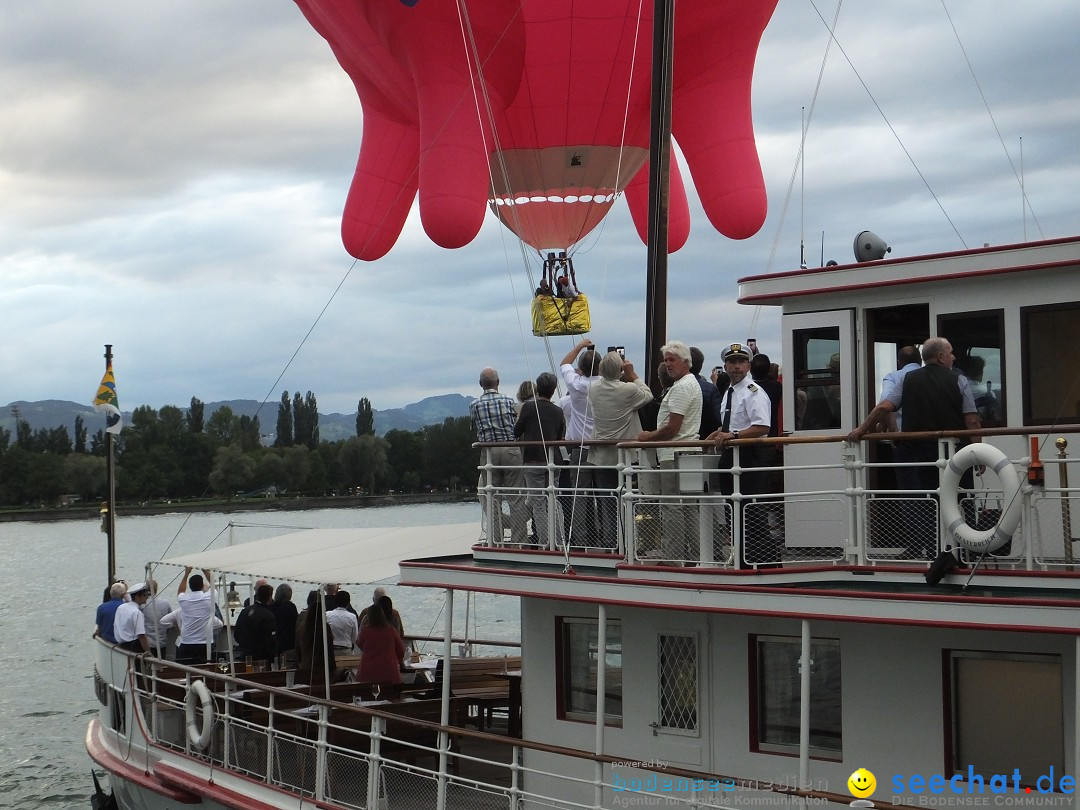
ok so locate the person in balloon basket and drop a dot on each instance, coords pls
(564, 288)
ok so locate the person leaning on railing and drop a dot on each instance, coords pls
(933, 398)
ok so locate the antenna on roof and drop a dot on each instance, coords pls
(802, 192)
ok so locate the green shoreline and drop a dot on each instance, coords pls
(84, 512)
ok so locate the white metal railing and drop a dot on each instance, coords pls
(836, 504)
(366, 757)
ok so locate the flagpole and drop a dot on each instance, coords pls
(110, 479)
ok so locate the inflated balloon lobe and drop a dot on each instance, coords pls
(540, 111)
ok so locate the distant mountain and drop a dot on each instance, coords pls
(51, 413)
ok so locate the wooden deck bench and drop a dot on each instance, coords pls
(483, 684)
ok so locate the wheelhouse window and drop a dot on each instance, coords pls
(1006, 712)
(817, 390)
(978, 341)
(578, 648)
(1049, 336)
(778, 664)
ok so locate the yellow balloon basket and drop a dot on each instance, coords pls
(560, 316)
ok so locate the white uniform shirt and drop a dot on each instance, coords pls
(683, 398)
(749, 405)
(128, 624)
(196, 611)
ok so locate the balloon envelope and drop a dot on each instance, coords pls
(540, 110)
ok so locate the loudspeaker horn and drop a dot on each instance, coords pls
(869, 246)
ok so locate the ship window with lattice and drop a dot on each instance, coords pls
(579, 653)
(677, 680)
(778, 664)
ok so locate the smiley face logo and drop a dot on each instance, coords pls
(862, 784)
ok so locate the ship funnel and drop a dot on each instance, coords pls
(869, 246)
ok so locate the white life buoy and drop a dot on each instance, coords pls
(199, 736)
(986, 540)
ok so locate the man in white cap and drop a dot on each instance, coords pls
(129, 626)
(747, 414)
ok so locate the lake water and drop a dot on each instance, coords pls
(50, 586)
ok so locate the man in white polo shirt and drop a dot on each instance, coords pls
(677, 420)
(196, 599)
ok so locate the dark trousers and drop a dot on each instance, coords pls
(758, 546)
(607, 506)
(191, 654)
(922, 528)
(578, 504)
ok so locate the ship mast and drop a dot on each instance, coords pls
(659, 169)
(108, 519)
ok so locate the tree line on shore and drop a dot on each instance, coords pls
(175, 454)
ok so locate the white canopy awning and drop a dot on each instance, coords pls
(354, 556)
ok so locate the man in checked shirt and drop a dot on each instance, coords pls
(493, 418)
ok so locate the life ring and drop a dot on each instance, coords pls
(199, 736)
(987, 540)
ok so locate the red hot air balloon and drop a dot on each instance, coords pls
(540, 110)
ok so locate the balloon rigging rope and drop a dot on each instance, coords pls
(986, 104)
(888, 123)
(622, 150)
(484, 112)
(798, 162)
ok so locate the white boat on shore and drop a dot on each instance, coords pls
(684, 682)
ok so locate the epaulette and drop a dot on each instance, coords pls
(752, 387)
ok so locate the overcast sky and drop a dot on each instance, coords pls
(172, 176)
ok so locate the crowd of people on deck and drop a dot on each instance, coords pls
(606, 401)
(268, 630)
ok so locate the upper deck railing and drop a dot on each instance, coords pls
(800, 500)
